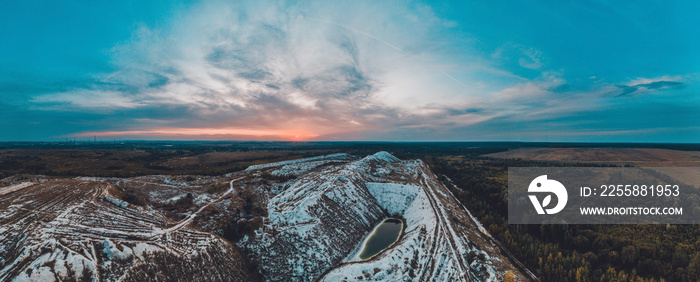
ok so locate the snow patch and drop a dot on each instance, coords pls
(383, 156)
(116, 202)
(339, 156)
(393, 197)
(16, 187)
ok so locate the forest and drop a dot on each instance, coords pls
(649, 252)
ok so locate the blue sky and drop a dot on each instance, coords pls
(381, 70)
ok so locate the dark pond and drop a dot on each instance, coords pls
(385, 234)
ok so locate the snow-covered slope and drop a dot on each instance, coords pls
(300, 220)
(74, 230)
(315, 225)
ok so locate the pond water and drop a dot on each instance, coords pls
(385, 234)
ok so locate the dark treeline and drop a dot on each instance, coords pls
(448, 147)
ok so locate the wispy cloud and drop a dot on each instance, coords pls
(272, 65)
(322, 70)
(527, 57)
(644, 84)
(98, 100)
(531, 59)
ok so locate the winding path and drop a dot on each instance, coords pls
(191, 217)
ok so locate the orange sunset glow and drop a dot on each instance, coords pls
(211, 133)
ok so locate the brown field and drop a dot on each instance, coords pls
(681, 165)
(219, 157)
(135, 162)
(635, 156)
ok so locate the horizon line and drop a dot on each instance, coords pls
(87, 141)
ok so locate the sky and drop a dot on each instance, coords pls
(557, 71)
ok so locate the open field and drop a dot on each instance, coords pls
(681, 165)
(645, 157)
(109, 160)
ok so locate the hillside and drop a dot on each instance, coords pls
(297, 220)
